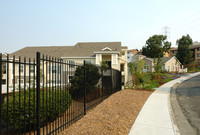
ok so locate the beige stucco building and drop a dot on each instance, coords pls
(170, 64)
(112, 53)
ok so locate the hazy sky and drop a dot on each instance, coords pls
(66, 22)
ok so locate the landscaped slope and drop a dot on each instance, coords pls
(114, 115)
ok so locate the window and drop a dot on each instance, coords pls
(128, 57)
(31, 68)
(168, 68)
(53, 69)
(174, 51)
(71, 62)
(59, 69)
(31, 81)
(122, 67)
(3, 81)
(21, 68)
(21, 81)
(163, 67)
(88, 61)
(198, 49)
(49, 69)
(146, 66)
(198, 55)
(4, 69)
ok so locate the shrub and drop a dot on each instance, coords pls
(152, 85)
(77, 82)
(145, 78)
(152, 75)
(198, 68)
(166, 77)
(140, 77)
(56, 102)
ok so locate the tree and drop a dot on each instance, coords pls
(158, 66)
(135, 68)
(104, 66)
(78, 82)
(184, 54)
(156, 46)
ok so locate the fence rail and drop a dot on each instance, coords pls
(46, 95)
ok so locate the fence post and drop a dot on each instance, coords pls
(38, 91)
(102, 82)
(84, 89)
(0, 91)
(120, 79)
(111, 72)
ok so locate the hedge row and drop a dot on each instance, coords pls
(53, 103)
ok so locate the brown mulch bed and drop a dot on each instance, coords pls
(114, 116)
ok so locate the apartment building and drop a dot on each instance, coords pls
(195, 49)
(112, 53)
(131, 53)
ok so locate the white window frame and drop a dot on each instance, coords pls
(146, 66)
(21, 68)
(86, 61)
(4, 68)
(31, 68)
(71, 63)
(168, 68)
(21, 81)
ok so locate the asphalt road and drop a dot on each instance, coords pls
(188, 96)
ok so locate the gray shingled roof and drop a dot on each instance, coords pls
(124, 47)
(85, 49)
(195, 45)
(165, 59)
(30, 52)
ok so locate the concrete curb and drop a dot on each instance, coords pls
(177, 115)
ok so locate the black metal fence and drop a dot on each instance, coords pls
(46, 95)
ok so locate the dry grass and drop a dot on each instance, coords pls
(114, 116)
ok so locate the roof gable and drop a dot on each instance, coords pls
(166, 59)
(106, 49)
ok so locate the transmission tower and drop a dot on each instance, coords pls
(166, 32)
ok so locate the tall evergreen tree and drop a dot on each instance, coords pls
(184, 54)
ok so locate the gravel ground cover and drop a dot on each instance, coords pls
(114, 116)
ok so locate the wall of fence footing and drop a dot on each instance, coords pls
(45, 95)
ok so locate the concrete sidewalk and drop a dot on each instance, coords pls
(155, 118)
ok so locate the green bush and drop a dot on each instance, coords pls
(152, 85)
(152, 75)
(77, 82)
(56, 102)
(166, 77)
(145, 77)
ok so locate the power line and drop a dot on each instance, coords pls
(185, 20)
